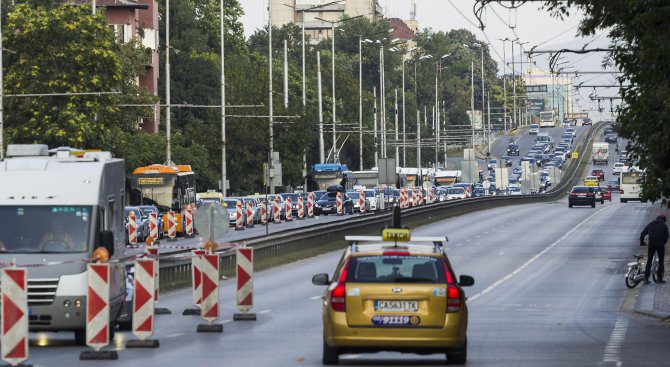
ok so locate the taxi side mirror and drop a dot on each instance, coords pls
(466, 281)
(320, 279)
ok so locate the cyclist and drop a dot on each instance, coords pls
(658, 236)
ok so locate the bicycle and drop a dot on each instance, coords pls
(635, 273)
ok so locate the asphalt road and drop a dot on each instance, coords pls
(549, 291)
(526, 141)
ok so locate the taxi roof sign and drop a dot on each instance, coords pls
(396, 234)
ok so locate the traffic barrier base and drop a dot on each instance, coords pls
(102, 355)
(149, 343)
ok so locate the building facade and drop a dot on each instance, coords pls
(547, 92)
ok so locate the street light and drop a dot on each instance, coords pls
(404, 131)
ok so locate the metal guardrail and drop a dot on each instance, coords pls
(178, 272)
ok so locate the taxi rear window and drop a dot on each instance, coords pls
(396, 269)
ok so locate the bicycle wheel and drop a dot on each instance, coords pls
(630, 278)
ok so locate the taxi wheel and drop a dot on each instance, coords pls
(331, 355)
(458, 356)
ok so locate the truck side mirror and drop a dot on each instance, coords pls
(107, 241)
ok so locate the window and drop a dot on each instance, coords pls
(536, 88)
(123, 32)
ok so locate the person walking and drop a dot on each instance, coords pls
(658, 236)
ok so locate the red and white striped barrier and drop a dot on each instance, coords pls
(289, 210)
(301, 208)
(431, 196)
(264, 212)
(245, 269)
(361, 201)
(153, 251)
(239, 216)
(97, 306)
(403, 198)
(414, 197)
(14, 316)
(196, 275)
(132, 228)
(276, 212)
(143, 299)
(153, 226)
(172, 226)
(339, 204)
(209, 307)
(250, 214)
(310, 205)
(188, 221)
(421, 197)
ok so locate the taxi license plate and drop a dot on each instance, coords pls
(384, 320)
(396, 306)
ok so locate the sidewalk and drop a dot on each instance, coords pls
(654, 299)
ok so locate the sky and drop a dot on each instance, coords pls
(528, 23)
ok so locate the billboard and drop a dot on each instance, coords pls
(535, 106)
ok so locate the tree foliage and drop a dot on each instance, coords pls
(63, 49)
(639, 31)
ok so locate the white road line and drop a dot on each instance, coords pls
(612, 352)
(351, 356)
(314, 298)
(226, 321)
(534, 258)
(265, 311)
(174, 335)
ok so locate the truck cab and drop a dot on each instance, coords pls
(55, 211)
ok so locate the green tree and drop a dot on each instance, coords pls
(639, 30)
(63, 49)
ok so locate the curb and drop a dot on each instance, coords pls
(663, 316)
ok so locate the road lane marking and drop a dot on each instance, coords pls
(174, 335)
(612, 352)
(314, 298)
(265, 311)
(534, 258)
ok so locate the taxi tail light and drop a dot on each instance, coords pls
(338, 296)
(620, 191)
(453, 294)
(396, 253)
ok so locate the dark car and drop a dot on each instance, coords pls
(614, 184)
(611, 138)
(600, 194)
(327, 204)
(607, 131)
(507, 159)
(159, 218)
(587, 122)
(598, 173)
(512, 149)
(582, 195)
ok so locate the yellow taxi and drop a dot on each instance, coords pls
(591, 181)
(394, 293)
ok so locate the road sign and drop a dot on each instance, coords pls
(211, 221)
(387, 169)
(574, 155)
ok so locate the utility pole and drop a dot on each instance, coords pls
(224, 186)
(488, 115)
(270, 122)
(472, 101)
(437, 114)
(2, 86)
(360, 101)
(374, 93)
(504, 87)
(404, 131)
(418, 139)
(382, 100)
(335, 155)
(397, 148)
(285, 74)
(514, 120)
(168, 112)
(322, 153)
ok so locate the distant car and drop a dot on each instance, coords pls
(507, 159)
(479, 192)
(356, 197)
(598, 173)
(587, 122)
(513, 149)
(591, 181)
(600, 195)
(611, 138)
(572, 131)
(534, 129)
(456, 193)
(607, 193)
(517, 170)
(513, 190)
(328, 204)
(582, 195)
(231, 206)
(372, 199)
(146, 209)
(567, 123)
(607, 131)
(142, 220)
(614, 184)
(492, 164)
(618, 167)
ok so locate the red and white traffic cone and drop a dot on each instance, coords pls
(196, 281)
(132, 228)
(188, 222)
(264, 212)
(143, 304)
(310, 205)
(250, 215)
(153, 227)
(276, 212)
(339, 204)
(239, 218)
(289, 210)
(209, 307)
(245, 269)
(361, 202)
(97, 313)
(172, 226)
(301, 208)
(14, 315)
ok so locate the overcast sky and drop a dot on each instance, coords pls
(531, 24)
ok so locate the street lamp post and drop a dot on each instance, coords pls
(481, 48)
(360, 101)
(270, 108)
(224, 187)
(322, 153)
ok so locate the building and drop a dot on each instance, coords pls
(404, 30)
(318, 15)
(547, 92)
(137, 19)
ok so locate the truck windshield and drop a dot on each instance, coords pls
(44, 229)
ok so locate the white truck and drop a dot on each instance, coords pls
(600, 152)
(55, 211)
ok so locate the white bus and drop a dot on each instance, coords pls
(629, 185)
(547, 119)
